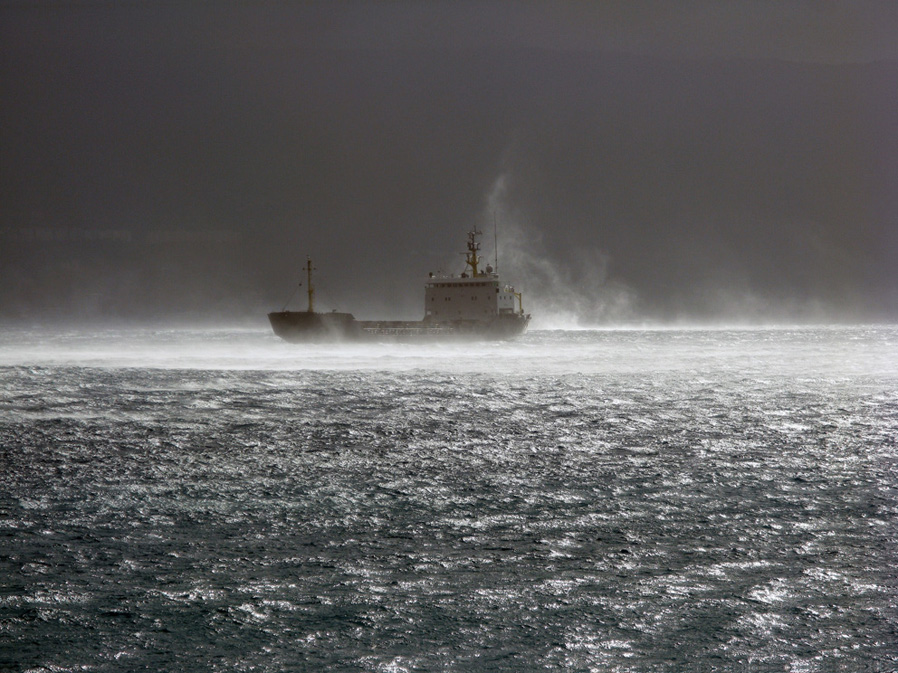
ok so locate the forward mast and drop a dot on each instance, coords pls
(311, 288)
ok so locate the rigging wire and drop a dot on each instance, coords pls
(291, 296)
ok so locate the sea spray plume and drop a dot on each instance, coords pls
(561, 293)
(566, 293)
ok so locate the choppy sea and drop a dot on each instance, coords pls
(613, 500)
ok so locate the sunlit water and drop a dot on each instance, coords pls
(598, 500)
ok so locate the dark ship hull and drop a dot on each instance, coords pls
(300, 326)
(306, 327)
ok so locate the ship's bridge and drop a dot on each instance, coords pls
(476, 295)
(480, 298)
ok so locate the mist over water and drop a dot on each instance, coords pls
(783, 350)
(615, 500)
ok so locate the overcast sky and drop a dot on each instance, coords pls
(643, 161)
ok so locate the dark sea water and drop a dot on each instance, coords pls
(672, 500)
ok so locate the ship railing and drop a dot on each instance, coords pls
(408, 331)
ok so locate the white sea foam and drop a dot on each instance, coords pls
(809, 352)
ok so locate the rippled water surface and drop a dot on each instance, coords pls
(600, 500)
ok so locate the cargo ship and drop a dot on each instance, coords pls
(475, 305)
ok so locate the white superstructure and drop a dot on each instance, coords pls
(480, 298)
(475, 295)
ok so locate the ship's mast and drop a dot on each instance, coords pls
(473, 246)
(311, 288)
(496, 241)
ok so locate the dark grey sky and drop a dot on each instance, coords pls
(644, 161)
